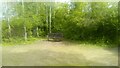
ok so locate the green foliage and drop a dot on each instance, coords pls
(84, 21)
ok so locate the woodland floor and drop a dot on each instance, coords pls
(47, 53)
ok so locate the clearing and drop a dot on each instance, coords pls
(46, 53)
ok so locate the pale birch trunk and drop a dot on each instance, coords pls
(37, 33)
(25, 29)
(9, 27)
(50, 20)
(47, 20)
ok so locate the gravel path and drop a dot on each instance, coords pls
(44, 53)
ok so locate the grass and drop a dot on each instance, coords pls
(99, 43)
(19, 41)
(30, 40)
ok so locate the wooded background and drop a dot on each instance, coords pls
(81, 21)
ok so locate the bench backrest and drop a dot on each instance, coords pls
(55, 35)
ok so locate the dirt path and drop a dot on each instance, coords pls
(44, 53)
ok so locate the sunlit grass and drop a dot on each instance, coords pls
(90, 43)
(18, 41)
(30, 40)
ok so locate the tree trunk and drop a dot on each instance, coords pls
(0, 32)
(25, 29)
(9, 28)
(47, 21)
(7, 17)
(37, 33)
(50, 20)
(25, 33)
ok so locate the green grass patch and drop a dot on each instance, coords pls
(19, 41)
(30, 40)
(98, 43)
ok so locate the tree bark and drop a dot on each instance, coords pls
(9, 28)
(25, 33)
(25, 29)
(37, 33)
(50, 20)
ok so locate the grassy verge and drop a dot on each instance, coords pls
(93, 44)
(30, 40)
(19, 41)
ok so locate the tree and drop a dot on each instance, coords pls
(82, 21)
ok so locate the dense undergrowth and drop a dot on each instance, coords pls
(77, 21)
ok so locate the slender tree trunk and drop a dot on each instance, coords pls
(50, 20)
(9, 28)
(47, 21)
(25, 29)
(0, 32)
(25, 33)
(37, 33)
(47, 17)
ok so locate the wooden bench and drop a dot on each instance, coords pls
(55, 36)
